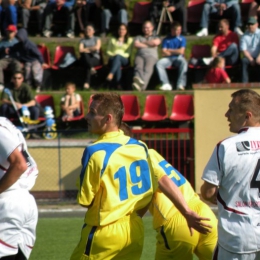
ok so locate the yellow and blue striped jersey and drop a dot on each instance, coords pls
(162, 208)
(116, 178)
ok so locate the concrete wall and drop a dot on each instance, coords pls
(211, 126)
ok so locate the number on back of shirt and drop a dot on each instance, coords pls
(139, 176)
(255, 182)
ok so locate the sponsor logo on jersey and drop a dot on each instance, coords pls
(248, 146)
(243, 146)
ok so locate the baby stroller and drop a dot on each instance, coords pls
(29, 126)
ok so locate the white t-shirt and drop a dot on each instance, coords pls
(234, 167)
(10, 139)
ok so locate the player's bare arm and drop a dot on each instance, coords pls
(209, 192)
(169, 188)
(17, 167)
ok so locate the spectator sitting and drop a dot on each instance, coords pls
(29, 6)
(119, 50)
(22, 95)
(65, 7)
(173, 49)
(225, 44)
(221, 9)
(254, 9)
(217, 73)
(8, 60)
(9, 13)
(70, 102)
(250, 47)
(89, 49)
(176, 7)
(29, 54)
(85, 12)
(112, 8)
(146, 56)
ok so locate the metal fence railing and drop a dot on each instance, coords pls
(59, 159)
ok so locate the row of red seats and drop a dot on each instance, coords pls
(194, 11)
(155, 107)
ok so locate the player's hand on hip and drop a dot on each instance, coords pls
(194, 221)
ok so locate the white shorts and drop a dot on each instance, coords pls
(220, 253)
(18, 220)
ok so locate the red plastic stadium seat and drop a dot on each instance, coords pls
(60, 53)
(155, 108)
(45, 100)
(132, 110)
(200, 51)
(194, 10)
(182, 108)
(45, 54)
(140, 12)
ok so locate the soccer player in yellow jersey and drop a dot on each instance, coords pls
(116, 185)
(174, 240)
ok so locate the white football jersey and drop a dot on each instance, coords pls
(10, 139)
(234, 167)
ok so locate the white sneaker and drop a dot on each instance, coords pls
(166, 87)
(70, 35)
(181, 88)
(238, 31)
(47, 33)
(138, 80)
(38, 89)
(1, 87)
(203, 32)
(207, 61)
(136, 86)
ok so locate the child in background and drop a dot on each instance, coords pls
(70, 102)
(216, 73)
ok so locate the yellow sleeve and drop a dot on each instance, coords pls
(111, 48)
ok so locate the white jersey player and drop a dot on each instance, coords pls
(232, 178)
(18, 209)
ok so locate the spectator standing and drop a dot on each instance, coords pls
(176, 7)
(29, 54)
(217, 73)
(231, 180)
(70, 102)
(19, 213)
(254, 9)
(146, 56)
(29, 6)
(225, 44)
(119, 50)
(8, 60)
(67, 8)
(89, 49)
(22, 95)
(110, 8)
(250, 47)
(173, 49)
(221, 9)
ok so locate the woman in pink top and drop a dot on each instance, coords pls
(216, 73)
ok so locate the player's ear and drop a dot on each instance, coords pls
(109, 118)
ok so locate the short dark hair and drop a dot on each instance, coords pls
(175, 25)
(226, 21)
(110, 103)
(17, 72)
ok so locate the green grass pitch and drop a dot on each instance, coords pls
(57, 237)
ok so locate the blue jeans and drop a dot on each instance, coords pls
(115, 64)
(8, 111)
(178, 62)
(230, 54)
(107, 15)
(233, 12)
